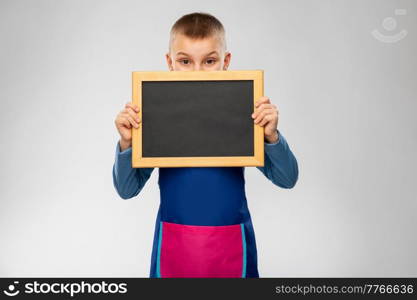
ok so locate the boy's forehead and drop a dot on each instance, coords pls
(203, 46)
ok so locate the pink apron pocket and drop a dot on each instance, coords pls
(201, 251)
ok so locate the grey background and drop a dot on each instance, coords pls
(347, 103)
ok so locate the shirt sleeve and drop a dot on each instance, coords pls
(128, 181)
(281, 166)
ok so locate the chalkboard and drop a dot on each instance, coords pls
(197, 118)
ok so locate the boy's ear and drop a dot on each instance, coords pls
(226, 61)
(169, 62)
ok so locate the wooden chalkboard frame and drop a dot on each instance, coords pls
(230, 161)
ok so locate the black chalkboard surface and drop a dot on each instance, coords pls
(197, 119)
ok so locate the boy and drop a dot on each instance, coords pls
(203, 226)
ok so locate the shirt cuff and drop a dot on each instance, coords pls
(125, 152)
(277, 142)
(275, 149)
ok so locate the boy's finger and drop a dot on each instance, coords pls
(133, 122)
(263, 114)
(126, 122)
(262, 100)
(132, 106)
(261, 108)
(265, 120)
(133, 114)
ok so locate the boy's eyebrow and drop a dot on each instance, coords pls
(183, 53)
(212, 52)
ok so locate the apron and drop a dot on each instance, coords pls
(203, 227)
(201, 251)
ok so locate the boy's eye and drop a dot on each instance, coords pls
(185, 61)
(211, 61)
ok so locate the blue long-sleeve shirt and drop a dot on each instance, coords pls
(205, 196)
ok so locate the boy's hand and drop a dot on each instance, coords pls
(127, 118)
(267, 114)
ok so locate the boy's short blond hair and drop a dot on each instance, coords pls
(198, 25)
